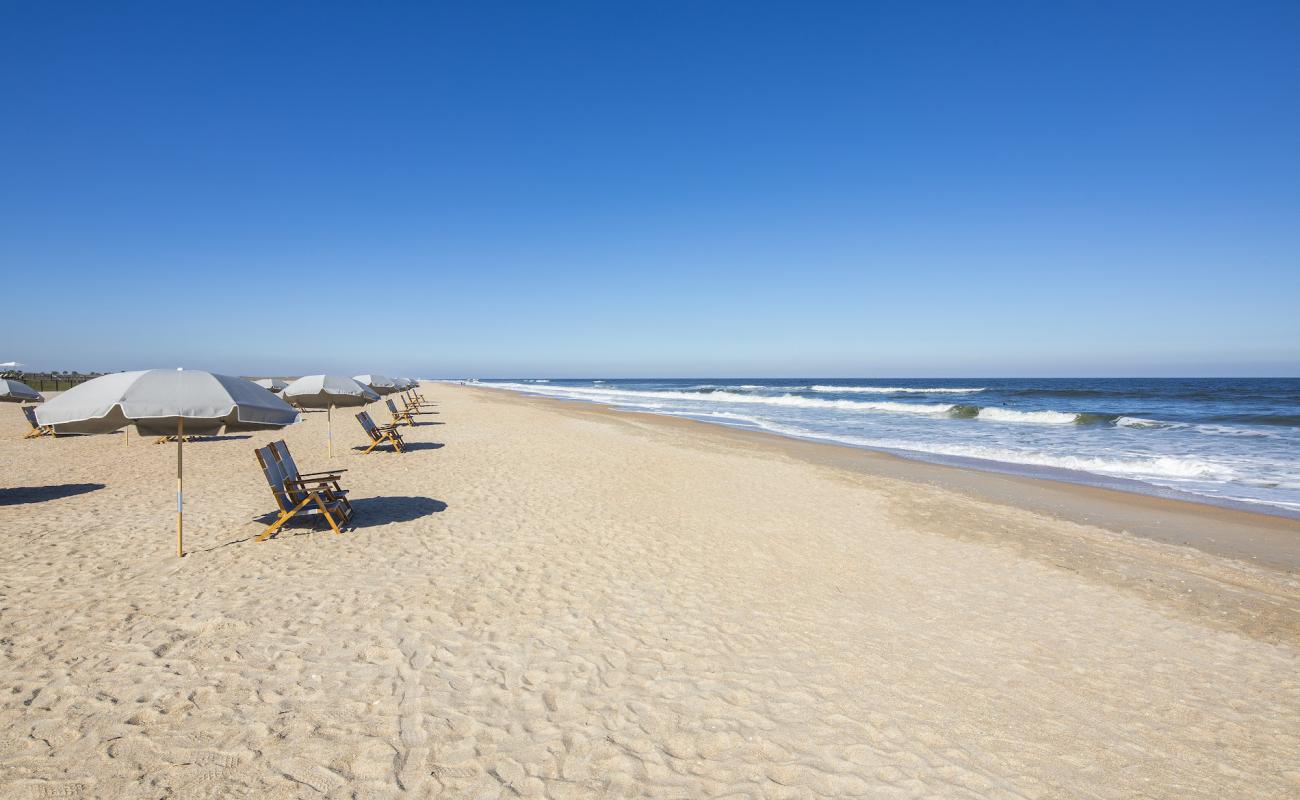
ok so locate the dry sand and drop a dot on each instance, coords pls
(542, 599)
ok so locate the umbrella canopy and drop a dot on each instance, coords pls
(273, 385)
(324, 391)
(155, 401)
(18, 392)
(380, 383)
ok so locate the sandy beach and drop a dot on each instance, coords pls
(549, 599)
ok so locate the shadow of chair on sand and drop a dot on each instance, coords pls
(367, 512)
(19, 495)
(387, 448)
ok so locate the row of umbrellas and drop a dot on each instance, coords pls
(184, 402)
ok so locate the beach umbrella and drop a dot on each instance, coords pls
(380, 383)
(164, 402)
(328, 391)
(273, 385)
(18, 392)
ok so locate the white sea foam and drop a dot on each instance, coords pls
(1169, 467)
(895, 389)
(997, 414)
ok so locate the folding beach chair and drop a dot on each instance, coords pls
(402, 417)
(295, 496)
(413, 406)
(414, 401)
(329, 479)
(381, 434)
(37, 428)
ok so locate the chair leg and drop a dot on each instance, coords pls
(284, 517)
(324, 510)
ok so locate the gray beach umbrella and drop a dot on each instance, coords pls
(273, 385)
(379, 383)
(164, 402)
(18, 392)
(328, 391)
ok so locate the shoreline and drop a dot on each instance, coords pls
(1244, 534)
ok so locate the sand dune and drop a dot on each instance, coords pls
(544, 600)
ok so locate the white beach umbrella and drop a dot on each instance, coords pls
(328, 391)
(18, 392)
(273, 385)
(163, 402)
(380, 383)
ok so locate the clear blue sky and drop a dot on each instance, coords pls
(652, 188)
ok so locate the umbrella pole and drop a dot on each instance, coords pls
(180, 502)
(329, 428)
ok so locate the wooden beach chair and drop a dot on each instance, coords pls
(400, 417)
(413, 406)
(37, 428)
(296, 496)
(414, 401)
(381, 434)
(329, 479)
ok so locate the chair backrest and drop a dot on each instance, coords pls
(369, 424)
(30, 413)
(281, 452)
(391, 407)
(275, 476)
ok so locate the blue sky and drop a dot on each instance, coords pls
(653, 188)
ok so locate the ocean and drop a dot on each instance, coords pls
(1230, 441)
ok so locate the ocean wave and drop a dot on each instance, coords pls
(997, 414)
(826, 389)
(1142, 422)
(1279, 420)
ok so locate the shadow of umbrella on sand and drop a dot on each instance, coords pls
(163, 402)
(328, 391)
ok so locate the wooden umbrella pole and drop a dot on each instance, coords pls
(329, 428)
(180, 496)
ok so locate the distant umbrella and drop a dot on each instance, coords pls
(161, 402)
(328, 391)
(273, 385)
(380, 383)
(18, 392)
